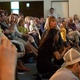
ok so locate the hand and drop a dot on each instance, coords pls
(34, 33)
(25, 35)
(8, 59)
(67, 48)
(8, 52)
(7, 31)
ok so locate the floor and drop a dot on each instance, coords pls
(29, 75)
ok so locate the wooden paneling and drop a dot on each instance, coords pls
(35, 9)
(5, 6)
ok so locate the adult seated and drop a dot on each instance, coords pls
(71, 71)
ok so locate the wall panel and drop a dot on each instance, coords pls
(61, 8)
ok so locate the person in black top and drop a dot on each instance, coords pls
(48, 52)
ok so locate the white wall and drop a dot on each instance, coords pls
(61, 8)
(74, 7)
(48, 5)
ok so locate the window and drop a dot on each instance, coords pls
(15, 11)
(15, 7)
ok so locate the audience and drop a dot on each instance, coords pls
(46, 41)
(73, 33)
(24, 30)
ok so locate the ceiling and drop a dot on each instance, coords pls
(31, 0)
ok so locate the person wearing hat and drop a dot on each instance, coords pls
(71, 70)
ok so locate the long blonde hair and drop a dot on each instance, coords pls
(47, 26)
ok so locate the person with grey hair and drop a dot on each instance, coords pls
(71, 70)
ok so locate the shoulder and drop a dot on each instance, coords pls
(63, 74)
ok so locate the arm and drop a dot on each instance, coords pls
(8, 60)
(17, 32)
(59, 56)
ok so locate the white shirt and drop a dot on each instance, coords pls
(64, 74)
(54, 14)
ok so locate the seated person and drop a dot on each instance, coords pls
(24, 30)
(71, 71)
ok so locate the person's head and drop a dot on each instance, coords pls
(51, 10)
(13, 18)
(32, 22)
(72, 60)
(52, 22)
(2, 15)
(16, 17)
(21, 15)
(42, 20)
(64, 23)
(27, 19)
(59, 20)
(21, 22)
(70, 20)
(62, 26)
(75, 16)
